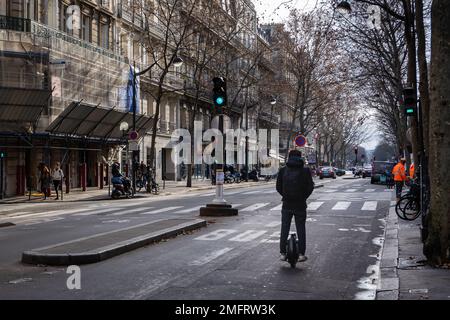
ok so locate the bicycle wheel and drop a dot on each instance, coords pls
(412, 209)
(400, 206)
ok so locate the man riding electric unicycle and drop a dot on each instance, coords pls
(295, 185)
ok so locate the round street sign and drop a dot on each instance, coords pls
(133, 135)
(300, 140)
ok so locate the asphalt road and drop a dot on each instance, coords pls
(232, 258)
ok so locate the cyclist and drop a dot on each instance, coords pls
(399, 173)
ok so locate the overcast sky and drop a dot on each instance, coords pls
(278, 10)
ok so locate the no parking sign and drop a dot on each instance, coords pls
(300, 140)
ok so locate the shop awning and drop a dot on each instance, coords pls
(85, 120)
(22, 105)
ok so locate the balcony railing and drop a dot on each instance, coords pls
(15, 23)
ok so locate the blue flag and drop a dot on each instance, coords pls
(129, 105)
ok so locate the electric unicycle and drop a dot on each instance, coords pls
(292, 251)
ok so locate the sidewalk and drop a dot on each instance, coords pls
(171, 187)
(404, 273)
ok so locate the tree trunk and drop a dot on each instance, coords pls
(436, 247)
(423, 72)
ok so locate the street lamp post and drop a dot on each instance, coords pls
(177, 62)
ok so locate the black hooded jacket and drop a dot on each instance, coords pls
(295, 184)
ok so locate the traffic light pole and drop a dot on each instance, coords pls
(1, 178)
(219, 207)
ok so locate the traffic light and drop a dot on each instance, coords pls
(410, 101)
(220, 92)
(2, 154)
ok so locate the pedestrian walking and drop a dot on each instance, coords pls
(57, 177)
(45, 181)
(399, 173)
(295, 185)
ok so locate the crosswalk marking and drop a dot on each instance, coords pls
(369, 190)
(162, 210)
(92, 212)
(278, 207)
(273, 224)
(209, 257)
(370, 205)
(315, 205)
(252, 192)
(124, 212)
(269, 191)
(41, 221)
(273, 238)
(216, 235)
(255, 206)
(189, 209)
(350, 190)
(341, 205)
(248, 235)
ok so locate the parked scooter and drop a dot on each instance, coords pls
(121, 185)
(253, 175)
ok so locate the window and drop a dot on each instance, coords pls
(104, 35)
(86, 28)
(62, 17)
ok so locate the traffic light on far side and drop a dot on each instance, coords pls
(410, 101)
(220, 92)
(2, 154)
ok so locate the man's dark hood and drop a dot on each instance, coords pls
(295, 162)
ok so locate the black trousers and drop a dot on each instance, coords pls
(300, 221)
(56, 184)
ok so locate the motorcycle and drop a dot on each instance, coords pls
(253, 175)
(121, 187)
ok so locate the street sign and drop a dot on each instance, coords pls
(133, 146)
(133, 135)
(300, 140)
(220, 177)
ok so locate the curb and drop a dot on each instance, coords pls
(103, 253)
(389, 284)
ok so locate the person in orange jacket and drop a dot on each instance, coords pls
(411, 171)
(399, 173)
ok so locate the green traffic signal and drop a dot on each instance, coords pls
(220, 101)
(2, 154)
(220, 91)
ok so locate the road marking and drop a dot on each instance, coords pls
(207, 194)
(273, 238)
(209, 257)
(273, 224)
(369, 190)
(252, 192)
(162, 210)
(189, 210)
(269, 191)
(341, 205)
(315, 205)
(216, 235)
(278, 207)
(121, 213)
(370, 205)
(92, 212)
(236, 205)
(329, 191)
(255, 206)
(350, 190)
(41, 221)
(248, 235)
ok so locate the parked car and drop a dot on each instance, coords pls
(339, 172)
(382, 172)
(327, 172)
(367, 171)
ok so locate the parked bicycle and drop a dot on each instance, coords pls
(409, 206)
